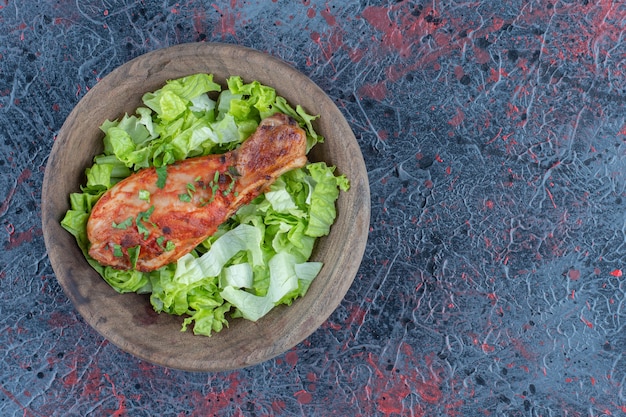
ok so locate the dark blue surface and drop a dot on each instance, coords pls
(494, 137)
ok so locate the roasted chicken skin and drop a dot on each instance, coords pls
(155, 216)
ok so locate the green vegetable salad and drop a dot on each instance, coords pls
(257, 259)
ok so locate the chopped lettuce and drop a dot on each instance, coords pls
(323, 196)
(256, 260)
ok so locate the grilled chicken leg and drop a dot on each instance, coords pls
(155, 216)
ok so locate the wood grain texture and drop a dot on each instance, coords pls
(128, 320)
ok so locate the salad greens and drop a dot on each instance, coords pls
(257, 259)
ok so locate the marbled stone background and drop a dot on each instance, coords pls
(494, 136)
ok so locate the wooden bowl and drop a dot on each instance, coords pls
(128, 320)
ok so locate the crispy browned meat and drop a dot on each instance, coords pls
(199, 194)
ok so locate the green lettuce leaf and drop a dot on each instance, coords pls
(288, 280)
(242, 238)
(126, 281)
(173, 99)
(256, 260)
(325, 192)
(304, 119)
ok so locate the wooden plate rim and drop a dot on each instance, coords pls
(75, 276)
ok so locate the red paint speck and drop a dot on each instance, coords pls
(355, 54)
(226, 24)
(278, 406)
(497, 23)
(216, 400)
(303, 397)
(311, 13)
(5, 204)
(458, 72)
(17, 239)
(357, 316)
(376, 91)
(482, 55)
(121, 399)
(573, 274)
(199, 21)
(390, 402)
(291, 358)
(551, 197)
(61, 320)
(429, 392)
(497, 75)
(521, 348)
(487, 348)
(393, 37)
(72, 378)
(330, 19)
(616, 273)
(587, 322)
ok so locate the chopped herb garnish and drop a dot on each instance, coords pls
(191, 189)
(232, 170)
(133, 255)
(198, 178)
(161, 176)
(144, 195)
(216, 177)
(142, 229)
(123, 225)
(189, 196)
(144, 216)
(209, 201)
(230, 187)
(168, 246)
(117, 251)
(160, 241)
